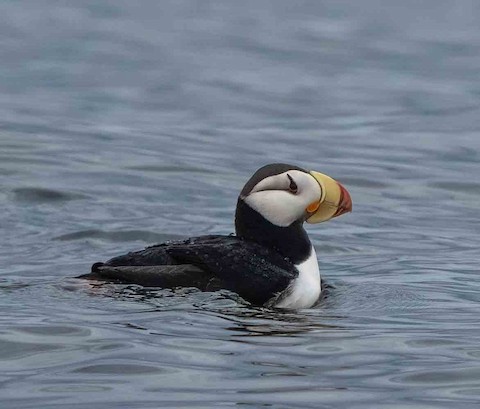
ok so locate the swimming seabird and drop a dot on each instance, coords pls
(270, 260)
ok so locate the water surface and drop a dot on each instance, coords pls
(123, 125)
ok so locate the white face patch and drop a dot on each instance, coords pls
(272, 198)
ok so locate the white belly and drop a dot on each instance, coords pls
(303, 292)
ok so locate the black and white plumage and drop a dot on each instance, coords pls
(270, 261)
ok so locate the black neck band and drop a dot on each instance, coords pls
(291, 241)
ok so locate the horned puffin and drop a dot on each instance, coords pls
(270, 261)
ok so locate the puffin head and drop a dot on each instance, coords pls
(285, 194)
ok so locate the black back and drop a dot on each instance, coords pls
(255, 272)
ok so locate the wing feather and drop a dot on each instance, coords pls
(253, 271)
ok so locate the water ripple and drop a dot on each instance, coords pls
(124, 126)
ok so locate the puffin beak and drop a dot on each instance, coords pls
(335, 200)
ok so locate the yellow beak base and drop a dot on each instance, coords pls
(334, 201)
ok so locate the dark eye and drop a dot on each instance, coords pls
(293, 186)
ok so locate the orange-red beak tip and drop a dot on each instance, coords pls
(345, 204)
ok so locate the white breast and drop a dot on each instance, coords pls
(303, 292)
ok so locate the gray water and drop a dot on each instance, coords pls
(123, 124)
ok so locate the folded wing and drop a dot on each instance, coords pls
(207, 262)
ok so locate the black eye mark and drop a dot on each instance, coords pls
(293, 186)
